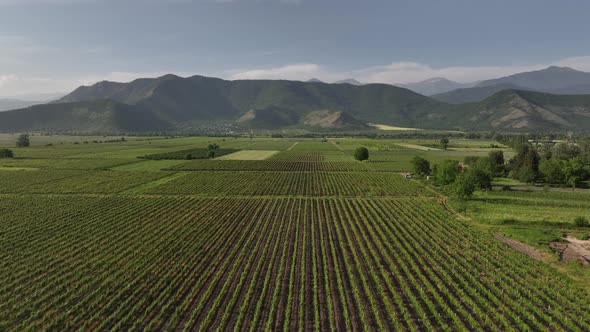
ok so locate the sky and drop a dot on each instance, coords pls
(49, 46)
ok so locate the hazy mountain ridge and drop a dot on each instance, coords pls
(11, 104)
(171, 102)
(527, 110)
(435, 86)
(554, 80)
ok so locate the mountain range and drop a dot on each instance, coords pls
(171, 102)
(554, 80)
(435, 86)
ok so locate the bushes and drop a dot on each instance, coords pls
(23, 141)
(421, 166)
(361, 154)
(6, 153)
(581, 222)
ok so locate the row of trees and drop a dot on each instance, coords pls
(566, 164)
(476, 173)
(558, 164)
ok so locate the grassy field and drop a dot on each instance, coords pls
(94, 238)
(249, 155)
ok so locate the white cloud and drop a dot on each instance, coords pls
(399, 72)
(402, 72)
(301, 71)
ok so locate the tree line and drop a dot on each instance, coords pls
(562, 164)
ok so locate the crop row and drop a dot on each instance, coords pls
(164, 263)
(272, 165)
(293, 184)
(69, 182)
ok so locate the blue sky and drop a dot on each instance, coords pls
(56, 45)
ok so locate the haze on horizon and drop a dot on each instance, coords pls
(49, 46)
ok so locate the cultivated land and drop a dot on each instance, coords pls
(94, 238)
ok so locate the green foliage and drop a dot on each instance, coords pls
(565, 151)
(483, 172)
(552, 171)
(361, 154)
(211, 154)
(446, 172)
(444, 143)
(23, 141)
(421, 166)
(581, 222)
(497, 159)
(470, 160)
(574, 172)
(524, 165)
(6, 153)
(465, 184)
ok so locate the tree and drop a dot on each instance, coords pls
(483, 173)
(497, 160)
(524, 165)
(23, 141)
(361, 154)
(213, 147)
(565, 151)
(188, 156)
(574, 172)
(465, 185)
(211, 154)
(551, 171)
(6, 153)
(446, 172)
(585, 149)
(421, 166)
(444, 143)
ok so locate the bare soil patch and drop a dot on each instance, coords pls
(523, 248)
(572, 249)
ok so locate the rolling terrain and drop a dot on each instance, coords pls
(309, 239)
(170, 102)
(554, 80)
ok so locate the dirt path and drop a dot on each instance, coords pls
(572, 248)
(292, 146)
(523, 248)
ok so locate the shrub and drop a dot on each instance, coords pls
(581, 222)
(361, 154)
(23, 141)
(421, 166)
(6, 153)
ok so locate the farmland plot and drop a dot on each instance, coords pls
(181, 263)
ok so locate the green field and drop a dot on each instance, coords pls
(94, 238)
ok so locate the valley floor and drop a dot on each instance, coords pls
(306, 238)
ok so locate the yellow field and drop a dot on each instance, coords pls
(249, 155)
(417, 147)
(386, 127)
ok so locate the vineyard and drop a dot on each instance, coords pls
(293, 242)
(164, 264)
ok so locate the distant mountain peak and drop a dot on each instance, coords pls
(351, 81)
(435, 85)
(560, 69)
(315, 80)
